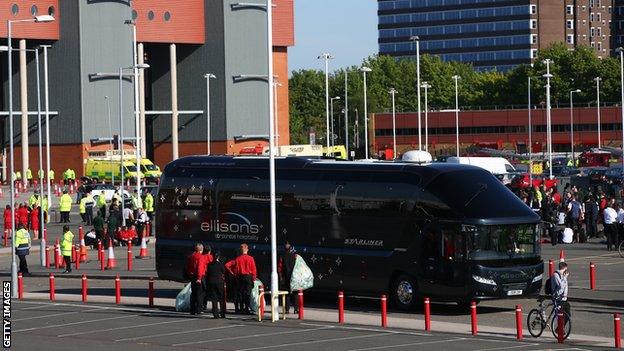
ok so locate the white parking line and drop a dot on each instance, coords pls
(37, 307)
(405, 345)
(75, 323)
(366, 329)
(311, 342)
(126, 327)
(508, 347)
(250, 336)
(52, 315)
(178, 333)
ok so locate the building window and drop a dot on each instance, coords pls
(533, 9)
(592, 44)
(584, 22)
(34, 10)
(533, 24)
(51, 11)
(598, 17)
(598, 31)
(570, 9)
(533, 38)
(570, 39)
(592, 32)
(533, 53)
(570, 24)
(135, 14)
(584, 37)
(14, 9)
(150, 15)
(591, 3)
(591, 17)
(583, 8)
(599, 45)
(167, 16)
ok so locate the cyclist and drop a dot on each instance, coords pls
(560, 287)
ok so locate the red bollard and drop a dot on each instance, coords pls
(80, 232)
(76, 253)
(52, 289)
(616, 327)
(473, 317)
(427, 314)
(129, 256)
(261, 296)
(592, 276)
(45, 234)
(551, 268)
(150, 292)
(300, 302)
(560, 322)
(57, 255)
(100, 251)
(149, 228)
(84, 288)
(518, 322)
(384, 311)
(47, 257)
(102, 262)
(117, 290)
(341, 307)
(20, 286)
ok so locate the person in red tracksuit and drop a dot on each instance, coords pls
(243, 268)
(208, 258)
(7, 220)
(22, 214)
(34, 222)
(195, 271)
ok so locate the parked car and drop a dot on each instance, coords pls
(597, 174)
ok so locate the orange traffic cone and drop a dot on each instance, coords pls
(111, 262)
(561, 256)
(57, 249)
(83, 249)
(143, 252)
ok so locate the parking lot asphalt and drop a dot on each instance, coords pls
(71, 326)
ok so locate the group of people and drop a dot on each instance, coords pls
(28, 214)
(575, 215)
(208, 274)
(17, 176)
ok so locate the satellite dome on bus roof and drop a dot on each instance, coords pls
(417, 156)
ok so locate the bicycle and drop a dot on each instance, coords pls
(621, 249)
(537, 320)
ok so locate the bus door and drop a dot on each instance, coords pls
(450, 269)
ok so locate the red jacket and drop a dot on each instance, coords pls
(196, 266)
(22, 214)
(242, 265)
(207, 259)
(34, 219)
(7, 219)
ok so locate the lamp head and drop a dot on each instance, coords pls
(44, 18)
(577, 91)
(142, 66)
(210, 76)
(365, 69)
(130, 21)
(414, 38)
(337, 98)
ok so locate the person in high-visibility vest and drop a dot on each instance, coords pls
(82, 209)
(72, 175)
(40, 174)
(148, 203)
(67, 176)
(29, 176)
(18, 176)
(101, 204)
(67, 243)
(65, 204)
(22, 248)
(33, 200)
(51, 175)
(86, 208)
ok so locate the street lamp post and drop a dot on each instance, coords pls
(42, 242)
(110, 130)
(456, 78)
(548, 116)
(208, 77)
(276, 84)
(530, 131)
(36, 19)
(47, 119)
(137, 124)
(426, 86)
(572, 122)
(620, 51)
(346, 112)
(331, 114)
(597, 80)
(326, 57)
(365, 70)
(416, 40)
(394, 148)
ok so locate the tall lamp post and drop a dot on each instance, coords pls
(364, 71)
(548, 116)
(208, 77)
(331, 114)
(110, 130)
(394, 148)
(426, 86)
(530, 130)
(416, 41)
(597, 80)
(36, 19)
(326, 56)
(456, 78)
(137, 124)
(572, 122)
(620, 51)
(47, 119)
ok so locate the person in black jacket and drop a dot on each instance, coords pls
(215, 285)
(285, 269)
(591, 216)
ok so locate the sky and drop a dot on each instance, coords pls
(347, 29)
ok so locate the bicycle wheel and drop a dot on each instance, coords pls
(535, 323)
(621, 249)
(567, 327)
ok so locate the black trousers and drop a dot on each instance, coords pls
(216, 291)
(89, 216)
(245, 284)
(611, 234)
(197, 297)
(64, 217)
(592, 227)
(68, 261)
(23, 265)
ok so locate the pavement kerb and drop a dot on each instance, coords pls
(6, 251)
(329, 316)
(112, 275)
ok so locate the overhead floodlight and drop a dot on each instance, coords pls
(44, 18)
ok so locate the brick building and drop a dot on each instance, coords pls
(181, 42)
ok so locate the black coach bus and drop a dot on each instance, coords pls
(451, 232)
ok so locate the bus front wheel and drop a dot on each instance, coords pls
(404, 292)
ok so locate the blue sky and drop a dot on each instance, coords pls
(345, 28)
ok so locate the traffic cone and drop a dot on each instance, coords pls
(57, 254)
(561, 256)
(143, 253)
(83, 249)
(111, 262)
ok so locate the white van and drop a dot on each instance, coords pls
(499, 166)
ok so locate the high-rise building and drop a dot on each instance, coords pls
(494, 34)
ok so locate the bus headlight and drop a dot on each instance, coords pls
(537, 279)
(483, 280)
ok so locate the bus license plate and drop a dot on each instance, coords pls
(514, 292)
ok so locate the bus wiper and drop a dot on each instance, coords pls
(481, 189)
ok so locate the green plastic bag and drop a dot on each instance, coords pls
(253, 304)
(302, 276)
(183, 300)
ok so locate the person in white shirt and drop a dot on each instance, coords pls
(568, 236)
(610, 223)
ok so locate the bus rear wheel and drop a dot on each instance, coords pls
(404, 292)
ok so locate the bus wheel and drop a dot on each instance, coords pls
(404, 292)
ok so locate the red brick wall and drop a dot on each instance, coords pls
(280, 66)
(186, 25)
(62, 157)
(283, 23)
(48, 30)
